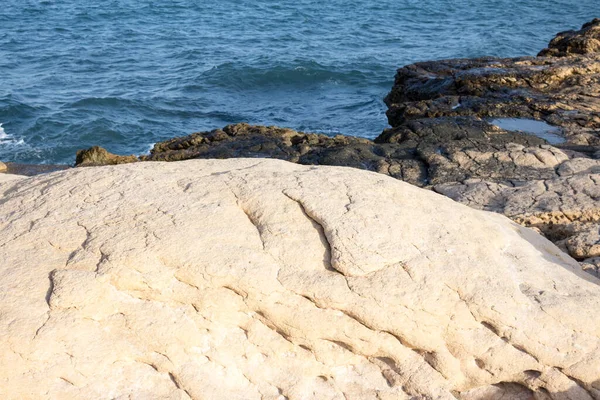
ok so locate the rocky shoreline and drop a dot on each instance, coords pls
(256, 278)
(517, 136)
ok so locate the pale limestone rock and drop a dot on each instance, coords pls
(10, 177)
(261, 279)
(566, 209)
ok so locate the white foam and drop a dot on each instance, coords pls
(150, 147)
(5, 138)
(3, 135)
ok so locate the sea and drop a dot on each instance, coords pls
(125, 74)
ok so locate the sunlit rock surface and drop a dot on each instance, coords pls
(262, 279)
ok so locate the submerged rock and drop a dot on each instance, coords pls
(262, 279)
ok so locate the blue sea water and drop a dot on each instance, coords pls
(124, 74)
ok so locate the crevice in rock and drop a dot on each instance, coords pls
(322, 233)
(239, 292)
(253, 220)
(66, 380)
(50, 287)
(269, 324)
(506, 340)
(178, 385)
(42, 326)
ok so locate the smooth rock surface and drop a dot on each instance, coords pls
(262, 279)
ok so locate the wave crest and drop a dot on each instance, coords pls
(297, 74)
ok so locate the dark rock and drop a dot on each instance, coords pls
(584, 41)
(243, 140)
(95, 156)
(444, 110)
(563, 92)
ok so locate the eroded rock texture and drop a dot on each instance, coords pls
(96, 155)
(261, 279)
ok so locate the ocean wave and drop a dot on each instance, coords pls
(102, 102)
(241, 76)
(6, 139)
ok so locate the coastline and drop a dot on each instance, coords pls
(258, 266)
(489, 133)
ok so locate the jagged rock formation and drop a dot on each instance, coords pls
(584, 41)
(261, 279)
(552, 188)
(566, 209)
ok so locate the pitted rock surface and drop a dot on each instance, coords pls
(262, 279)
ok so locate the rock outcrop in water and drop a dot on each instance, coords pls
(243, 140)
(584, 41)
(518, 136)
(560, 194)
(261, 279)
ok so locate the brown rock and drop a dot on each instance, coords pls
(95, 156)
(584, 41)
(3, 167)
(592, 266)
(243, 140)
